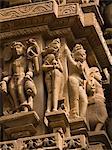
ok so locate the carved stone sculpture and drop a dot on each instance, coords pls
(97, 113)
(77, 75)
(17, 79)
(53, 74)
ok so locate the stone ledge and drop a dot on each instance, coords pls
(47, 142)
(58, 119)
(28, 10)
(20, 125)
(100, 137)
(21, 118)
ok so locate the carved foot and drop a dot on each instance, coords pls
(47, 111)
(54, 110)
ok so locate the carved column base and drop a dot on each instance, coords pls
(58, 120)
(20, 124)
(100, 137)
(78, 126)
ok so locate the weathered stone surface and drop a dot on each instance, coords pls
(76, 142)
(100, 136)
(47, 142)
(78, 126)
(20, 124)
(54, 75)
(96, 112)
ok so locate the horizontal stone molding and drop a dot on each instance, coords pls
(39, 8)
(51, 141)
(27, 10)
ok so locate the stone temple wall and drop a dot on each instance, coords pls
(55, 75)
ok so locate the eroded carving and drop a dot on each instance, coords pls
(97, 113)
(76, 142)
(7, 147)
(39, 143)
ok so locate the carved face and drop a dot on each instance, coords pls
(18, 49)
(55, 44)
(96, 73)
(80, 55)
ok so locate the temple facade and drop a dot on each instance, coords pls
(55, 74)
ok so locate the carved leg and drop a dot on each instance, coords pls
(12, 91)
(83, 102)
(56, 80)
(21, 94)
(20, 90)
(49, 90)
(74, 96)
(30, 102)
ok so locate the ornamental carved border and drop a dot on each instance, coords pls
(68, 10)
(39, 8)
(49, 141)
(27, 10)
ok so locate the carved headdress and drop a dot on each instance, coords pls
(78, 49)
(17, 43)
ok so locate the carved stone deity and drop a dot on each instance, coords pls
(17, 79)
(53, 74)
(96, 112)
(77, 75)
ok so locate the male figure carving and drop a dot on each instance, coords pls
(17, 80)
(77, 75)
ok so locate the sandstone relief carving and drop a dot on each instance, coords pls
(53, 74)
(18, 72)
(96, 112)
(77, 75)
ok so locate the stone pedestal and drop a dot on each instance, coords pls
(58, 120)
(78, 126)
(20, 124)
(101, 138)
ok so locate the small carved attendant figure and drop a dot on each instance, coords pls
(17, 80)
(53, 74)
(96, 112)
(77, 75)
